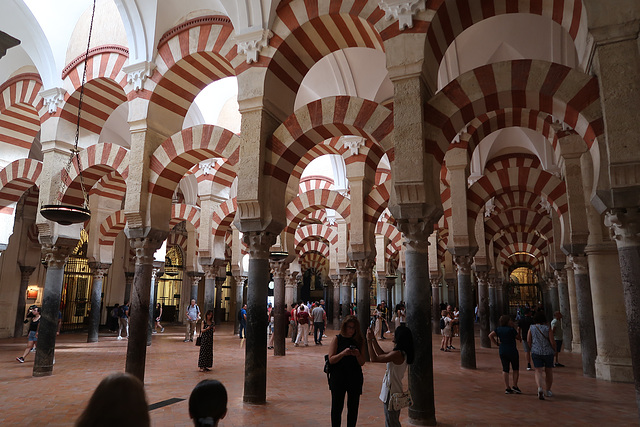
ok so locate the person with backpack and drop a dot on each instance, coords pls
(193, 315)
(242, 318)
(123, 320)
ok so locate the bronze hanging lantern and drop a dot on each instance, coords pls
(71, 214)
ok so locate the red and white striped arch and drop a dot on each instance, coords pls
(190, 57)
(181, 152)
(518, 199)
(316, 231)
(16, 178)
(223, 217)
(314, 261)
(305, 31)
(452, 17)
(530, 221)
(111, 227)
(390, 232)
(315, 182)
(382, 175)
(376, 202)
(567, 94)
(315, 217)
(314, 246)
(520, 160)
(509, 261)
(20, 111)
(520, 241)
(185, 212)
(112, 185)
(179, 240)
(536, 258)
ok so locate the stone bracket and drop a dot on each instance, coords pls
(53, 98)
(138, 73)
(251, 43)
(402, 10)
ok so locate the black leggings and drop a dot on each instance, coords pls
(337, 405)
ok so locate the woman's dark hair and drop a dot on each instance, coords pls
(358, 335)
(504, 320)
(207, 314)
(208, 402)
(404, 342)
(539, 318)
(119, 399)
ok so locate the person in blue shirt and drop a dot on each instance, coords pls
(243, 321)
(507, 336)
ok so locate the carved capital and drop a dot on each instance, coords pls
(624, 226)
(364, 268)
(220, 280)
(25, 272)
(279, 269)
(560, 275)
(53, 98)
(390, 282)
(551, 282)
(210, 271)
(346, 280)
(291, 280)
(483, 277)
(251, 43)
(145, 247)
(157, 271)
(138, 73)
(402, 10)
(353, 143)
(259, 243)
(463, 262)
(580, 264)
(416, 234)
(99, 270)
(435, 282)
(56, 256)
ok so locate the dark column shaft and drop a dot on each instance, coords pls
(43, 365)
(153, 292)
(255, 371)
(563, 301)
(585, 316)
(364, 310)
(239, 290)
(335, 315)
(279, 317)
(493, 308)
(96, 301)
(435, 306)
(467, 314)
(484, 313)
(25, 274)
(209, 290)
(219, 318)
(139, 319)
(345, 296)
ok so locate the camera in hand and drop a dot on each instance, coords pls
(30, 313)
(352, 347)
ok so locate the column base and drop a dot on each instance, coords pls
(255, 400)
(431, 421)
(576, 347)
(43, 371)
(614, 369)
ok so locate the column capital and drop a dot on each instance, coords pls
(56, 255)
(463, 262)
(624, 226)
(435, 282)
(279, 268)
(252, 42)
(580, 264)
(552, 282)
(139, 72)
(364, 267)
(291, 280)
(482, 276)
(146, 246)
(210, 271)
(99, 270)
(560, 275)
(259, 243)
(416, 234)
(390, 281)
(346, 280)
(26, 271)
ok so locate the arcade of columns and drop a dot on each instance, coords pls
(423, 222)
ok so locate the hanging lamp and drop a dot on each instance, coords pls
(71, 214)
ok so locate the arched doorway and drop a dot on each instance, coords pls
(76, 289)
(170, 284)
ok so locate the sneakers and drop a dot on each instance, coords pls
(516, 389)
(119, 337)
(559, 365)
(451, 347)
(296, 344)
(161, 329)
(529, 367)
(508, 391)
(20, 359)
(185, 341)
(540, 394)
(441, 349)
(549, 394)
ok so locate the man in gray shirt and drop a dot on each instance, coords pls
(193, 315)
(319, 322)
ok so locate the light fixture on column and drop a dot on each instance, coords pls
(278, 256)
(392, 277)
(72, 214)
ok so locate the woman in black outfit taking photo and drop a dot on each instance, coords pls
(346, 360)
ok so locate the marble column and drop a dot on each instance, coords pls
(210, 272)
(255, 361)
(279, 272)
(239, 296)
(416, 243)
(218, 314)
(483, 308)
(335, 315)
(193, 292)
(25, 274)
(153, 295)
(345, 292)
(493, 303)
(585, 314)
(144, 248)
(364, 269)
(382, 291)
(554, 303)
(451, 292)
(467, 314)
(501, 301)
(573, 306)
(435, 304)
(624, 226)
(55, 257)
(128, 284)
(99, 271)
(565, 309)
(391, 302)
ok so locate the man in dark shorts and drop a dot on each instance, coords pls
(523, 328)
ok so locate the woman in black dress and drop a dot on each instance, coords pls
(346, 360)
(205, 360)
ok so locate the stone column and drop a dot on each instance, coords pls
(99, 271)
(255, 362)
(501, 301)
(279, 271)
(144, 248)
(55, 257)
(391, 282)
(554, 303)
(210, 272)
(585, 314)
(435, 304)
(573, 306)
(218, 315)
(335, 315)
(364, 271)
(345, 292)
(153, 294)
(25, 274)
(466, 307)
(239, 296)
(565, 308)
(193, 293)
(624, 225)
(128, 284)
(483, 308)
(451, 292)
(493, 303)
(382, 290)
(416, 238)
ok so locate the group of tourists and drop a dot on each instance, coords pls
(449, 320)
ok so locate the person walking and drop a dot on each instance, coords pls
(157, 315)
(294, 322)
(543, 348)
(303, 326)
(319, 323)
(34, 314)
(123, 321)
(396, 360)
(242, 317)
(205, 358)
(508, 351)
(346, 359)
(193, 315)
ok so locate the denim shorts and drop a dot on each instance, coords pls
(32, 336)
(542, 360)
(558, 346)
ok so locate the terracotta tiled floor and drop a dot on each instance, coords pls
(463, 397)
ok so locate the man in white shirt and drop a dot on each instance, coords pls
(193, 315)
(319, 322)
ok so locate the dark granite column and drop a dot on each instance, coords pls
(493, 303)
(585, 314)
(153, 296)
(435, 304)
(345, 292)
(255, 362)
(554, 303)
(335, 315)
(565, 309)
(483, 307)
(416, 241)
(99, 271)
(467, 312)
(144, 247)
(279, 272)
(128, 285)
(364, 271)
(624, 225)
(209, 288)
(391, 302)
(25, 274)
(55, 256)
(195, 280)
(218, 314)
(237, 286)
